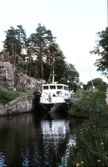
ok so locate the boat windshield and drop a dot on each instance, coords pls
(52, 87)
(66, 88)
(45, 87)
(59, 87)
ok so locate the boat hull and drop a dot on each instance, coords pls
(59, 107)
(56, 107)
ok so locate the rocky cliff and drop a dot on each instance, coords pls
(19, 105)
(11, 79)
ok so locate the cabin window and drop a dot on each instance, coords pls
(45, 87)
(59, 87)
(66, 88)
(52, 87)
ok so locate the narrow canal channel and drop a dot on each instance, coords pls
(28, 140)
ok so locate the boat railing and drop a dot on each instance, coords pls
(52, 99)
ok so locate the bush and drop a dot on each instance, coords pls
(91, 147)
(6, 96)
(89, 101)
(101, 88)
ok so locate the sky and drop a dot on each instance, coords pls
(74, 23)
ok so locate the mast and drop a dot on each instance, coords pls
(53, 75)
(107, 13)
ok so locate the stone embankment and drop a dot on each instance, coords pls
(19, 105)
(13, 80)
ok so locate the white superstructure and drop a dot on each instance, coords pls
(54, 93)
(55, 96)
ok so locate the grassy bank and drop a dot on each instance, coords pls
(88, 103)
(7, 96)
(91, 147)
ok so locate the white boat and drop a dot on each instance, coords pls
(55, 96)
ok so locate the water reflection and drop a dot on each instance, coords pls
(55, 133)
(31, 140)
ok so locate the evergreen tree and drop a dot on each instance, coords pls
(14, 42)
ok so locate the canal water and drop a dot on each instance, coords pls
(32, 140)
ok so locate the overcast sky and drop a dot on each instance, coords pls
(74, 23)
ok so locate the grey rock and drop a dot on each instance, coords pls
(19, 105)
(12, 80)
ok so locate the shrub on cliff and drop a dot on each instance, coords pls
(6, 96)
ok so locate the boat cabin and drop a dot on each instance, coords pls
(56, 90)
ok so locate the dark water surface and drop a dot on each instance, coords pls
(28, 140)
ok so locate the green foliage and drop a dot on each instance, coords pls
(70, 76)
(89, 101)
(47, 52)
(39, 44)
(7, 96)
(91, 148)
(97, 82)
(20, 68)
(15, 40)
(101, 50)
(101, 88)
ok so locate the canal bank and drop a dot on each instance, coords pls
(19, 105)
(91, 147)
(14, 81)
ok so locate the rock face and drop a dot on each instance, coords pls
(7, 73)
(25, 83)
(19, 105)
(11, 79)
